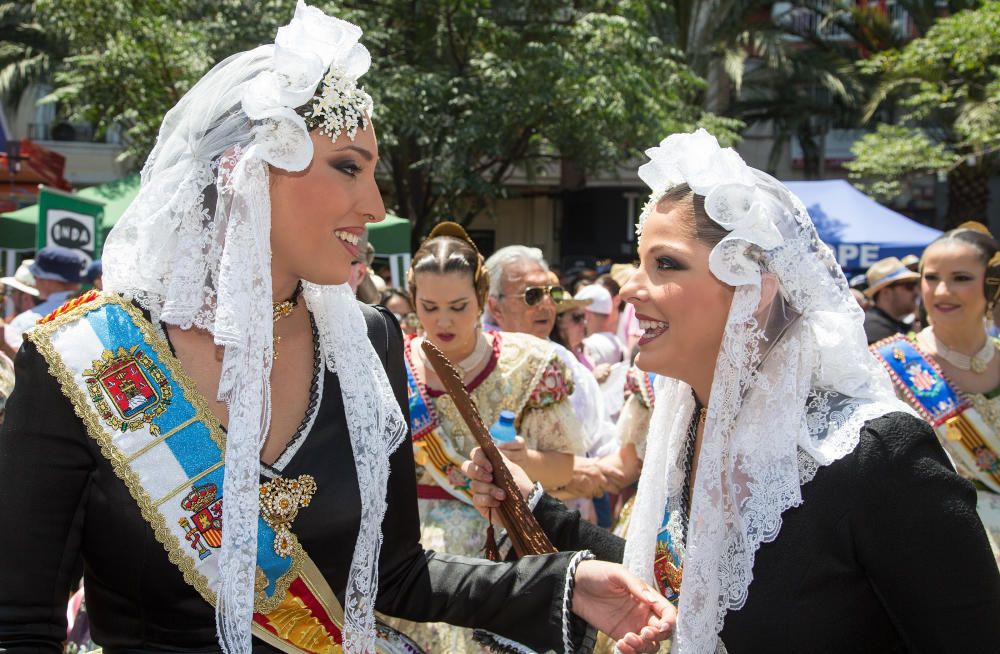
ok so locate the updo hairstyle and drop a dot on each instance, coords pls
(449, 249)
(978, 237)
(703, 228)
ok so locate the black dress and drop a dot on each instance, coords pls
(885, 554)
(65, 513)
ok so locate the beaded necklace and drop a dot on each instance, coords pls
(281, 310)
(668, 566)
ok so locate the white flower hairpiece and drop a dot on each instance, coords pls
(732, 199)
(312, 49)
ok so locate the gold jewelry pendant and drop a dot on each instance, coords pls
(280, 501)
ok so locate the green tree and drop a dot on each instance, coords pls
(944, 90)
(129, 61)
(467, 93)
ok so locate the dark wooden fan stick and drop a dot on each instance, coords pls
(524, 532)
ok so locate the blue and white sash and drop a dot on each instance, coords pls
(964, 433)
(164, 443)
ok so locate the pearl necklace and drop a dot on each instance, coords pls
(977, 363)
(469, 363)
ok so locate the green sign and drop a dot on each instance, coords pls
(70, 221)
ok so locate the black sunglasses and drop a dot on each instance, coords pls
(534, 294)
(578, 318)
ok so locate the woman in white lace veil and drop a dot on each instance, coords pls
(792, 384)
(770, 429)
(195, 250)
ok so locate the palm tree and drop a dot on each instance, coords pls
(29, 53)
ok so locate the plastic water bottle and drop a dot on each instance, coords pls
(503, 430)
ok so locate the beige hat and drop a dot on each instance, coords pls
(886, 272)
(22, 280)
(621, 272)
(911, 261)
(570, 304)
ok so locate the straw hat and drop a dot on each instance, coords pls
(621, 272)
(886, 272)
(911, 261)
(571, 304)
(22, 280)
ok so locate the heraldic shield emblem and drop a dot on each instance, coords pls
(128, 389)
(206, 532)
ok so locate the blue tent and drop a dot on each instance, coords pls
(858, 229)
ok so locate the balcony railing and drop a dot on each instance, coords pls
(78, 132)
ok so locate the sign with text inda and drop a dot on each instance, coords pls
(70, 221)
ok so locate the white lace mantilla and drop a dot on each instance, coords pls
(194, 250)
(794, 383)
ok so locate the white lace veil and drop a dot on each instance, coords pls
(194, 250)
(794, 382)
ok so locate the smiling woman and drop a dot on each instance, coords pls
(950, 372)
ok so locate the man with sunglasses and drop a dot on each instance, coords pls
(23, 295)
(522, 298)
(893, 289)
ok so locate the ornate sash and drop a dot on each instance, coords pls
(963, 431)
(164, 443)
(667, 562)
(431, 447)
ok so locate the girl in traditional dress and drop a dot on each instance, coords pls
(504, 372)
(216, 442)
(789, 502)
(949, 372)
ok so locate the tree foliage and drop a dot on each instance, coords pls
(467, 93)
(944, 90)
(29, 52)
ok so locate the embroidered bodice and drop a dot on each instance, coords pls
(524, 375)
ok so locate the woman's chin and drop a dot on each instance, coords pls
(650, 362)
(328, 277)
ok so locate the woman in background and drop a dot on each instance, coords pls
(949, 371)
(502, 371)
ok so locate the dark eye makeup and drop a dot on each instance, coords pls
(348, 167)
(668, 263)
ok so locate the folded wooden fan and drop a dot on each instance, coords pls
(524, 532)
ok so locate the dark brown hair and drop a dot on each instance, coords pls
(986, 248)
(445, 254)
(703, 228)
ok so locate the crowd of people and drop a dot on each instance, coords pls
(729, 445)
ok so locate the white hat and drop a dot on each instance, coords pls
(600, 298)
(22, 280)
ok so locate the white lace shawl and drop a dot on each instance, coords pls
(792, 389)
(194, 250)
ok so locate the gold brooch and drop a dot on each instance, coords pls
(280, 501)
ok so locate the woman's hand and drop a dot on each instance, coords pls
(601, 372)
(623, 606)
(486, 494)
